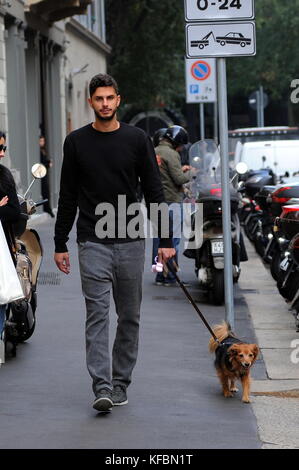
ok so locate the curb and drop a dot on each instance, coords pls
(274, 326)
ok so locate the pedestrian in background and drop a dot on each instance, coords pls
(173, 176)
(45, 182)
(9, 210)
(102, 161)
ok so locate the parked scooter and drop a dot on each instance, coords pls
(277, 248)
(264, 233)
(252, 214)
(284, 196)
(20, 315)
(209, 252)
(288, 276)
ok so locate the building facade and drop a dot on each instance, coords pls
(49, 49)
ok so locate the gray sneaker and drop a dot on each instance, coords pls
(103, 401)
(119, 395)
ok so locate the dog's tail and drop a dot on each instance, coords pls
(221, 332)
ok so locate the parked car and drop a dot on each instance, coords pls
(233, 38)
(282, 156)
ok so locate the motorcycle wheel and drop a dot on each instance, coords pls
(23, 322)
(259, 246)
(250, 229)
(216, 293)
(29, 333)
(275, 264)
(291, 286)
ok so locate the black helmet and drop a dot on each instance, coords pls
(177, 135)
(158, 136)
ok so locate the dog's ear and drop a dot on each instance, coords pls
(255, 350)
(233, 350)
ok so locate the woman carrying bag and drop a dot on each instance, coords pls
(9, 210)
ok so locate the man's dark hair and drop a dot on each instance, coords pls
(100, 80)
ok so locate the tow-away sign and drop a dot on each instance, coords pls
(221, 39)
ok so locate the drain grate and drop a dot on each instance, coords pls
(49, 278)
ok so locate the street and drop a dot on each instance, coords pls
(124, 100)
(175, 399)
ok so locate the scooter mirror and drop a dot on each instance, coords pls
(241, 168)
(38, 170)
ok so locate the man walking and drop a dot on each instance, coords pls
(103, 161)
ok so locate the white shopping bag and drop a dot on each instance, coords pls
(10, 286)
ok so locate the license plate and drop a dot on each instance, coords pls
(217, 248)
(284, 264)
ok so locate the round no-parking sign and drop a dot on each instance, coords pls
(201, 81)
(200, 70)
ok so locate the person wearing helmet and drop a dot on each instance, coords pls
(173, 176)
(158, 136)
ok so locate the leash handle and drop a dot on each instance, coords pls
(189, 297)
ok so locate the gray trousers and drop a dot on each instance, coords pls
(117, 266)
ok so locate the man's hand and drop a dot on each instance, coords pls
(62, 261)
(3, 201)
(186, 168)
(164, 254)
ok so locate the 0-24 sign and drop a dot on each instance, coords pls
(224, 4)
(207, 10)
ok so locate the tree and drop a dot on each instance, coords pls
(276, 63)
(148, 47)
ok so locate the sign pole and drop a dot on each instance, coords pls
(202, 121)
(262, 106)
(258, 108)
(225, 184)
(216, 137)
(219, 29)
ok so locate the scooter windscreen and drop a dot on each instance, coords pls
(205, 158)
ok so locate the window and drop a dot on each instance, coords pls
(94, 19)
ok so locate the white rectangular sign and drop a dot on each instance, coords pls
(201, 81)
(219, 10)
(220, 39)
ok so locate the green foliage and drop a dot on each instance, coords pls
(277, 62)
(148, 47)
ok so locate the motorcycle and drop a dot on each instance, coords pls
(20, 315)
(278, 201)
(209, 252)
(252, 214)
(288, 276)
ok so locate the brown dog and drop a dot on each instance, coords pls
(233, 360)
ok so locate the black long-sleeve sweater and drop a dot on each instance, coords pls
(97, 168)
(9, 213)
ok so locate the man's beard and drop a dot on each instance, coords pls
(105, 118)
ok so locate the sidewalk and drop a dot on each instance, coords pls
(276, 399)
